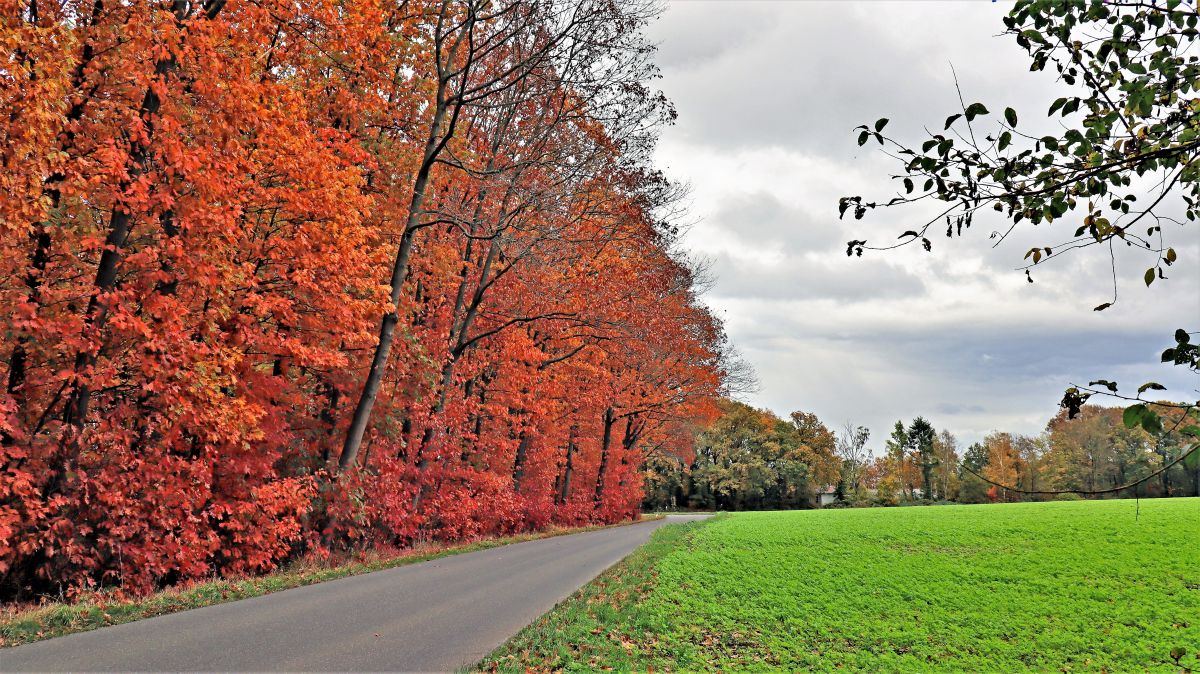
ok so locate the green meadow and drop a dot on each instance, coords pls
(1065, 586)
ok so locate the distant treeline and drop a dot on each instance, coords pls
(750, 459)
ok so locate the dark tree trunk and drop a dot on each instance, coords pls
(1166, 474)
(40, 233)
(519, 461)
(1195, 476)
(33, 282)
(434, 143)
(605, 443)
(564, 487)
(927, 480)
(120, 224)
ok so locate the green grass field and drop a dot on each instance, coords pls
(1066, 586)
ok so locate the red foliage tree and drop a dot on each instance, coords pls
(287, 277)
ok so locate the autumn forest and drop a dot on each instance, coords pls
(293, 278)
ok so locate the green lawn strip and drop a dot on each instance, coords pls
(600, 626)
(25, 624)
(1084, 586)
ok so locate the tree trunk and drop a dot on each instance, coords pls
(519, 461)
(434, 143)
(40, 233)
(927, 479)
(33, 282)
(1195, 475)
(1166, 474)
(120, 224)
(609, 420)
(564, 490)
(332, 397)
(477, 418)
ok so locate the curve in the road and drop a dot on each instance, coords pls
(433, 616)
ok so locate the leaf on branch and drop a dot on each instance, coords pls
(949, 121)
(908, 233)
(844, 204)
(1073, 399)
(1149, 386)
(1111, 386)
(974, 110)
(1102, 307)
(1133, 415)
(1142, 415)
(1010, 116)
(1149, 277)
(881, 123)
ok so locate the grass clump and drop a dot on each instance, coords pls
(1063, 586)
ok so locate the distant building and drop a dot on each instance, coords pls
(826, 495)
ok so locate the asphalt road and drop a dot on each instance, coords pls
(433, 616)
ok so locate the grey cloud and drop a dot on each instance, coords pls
(761, 219)
(802, 279)
(691, 37)
(969, 378)
(956, 409)
(817, 69)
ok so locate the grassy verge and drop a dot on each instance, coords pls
(25, 624)
(600, 626)
(1085, 586)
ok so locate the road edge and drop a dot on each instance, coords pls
(26, 625)
(634, 574)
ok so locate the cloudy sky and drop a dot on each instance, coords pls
(768, 94)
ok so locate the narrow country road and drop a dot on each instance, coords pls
(433, 616)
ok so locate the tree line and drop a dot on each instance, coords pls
(747, 459)
(750, 459)
(283, 278)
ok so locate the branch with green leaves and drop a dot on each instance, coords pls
(1130, 135)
